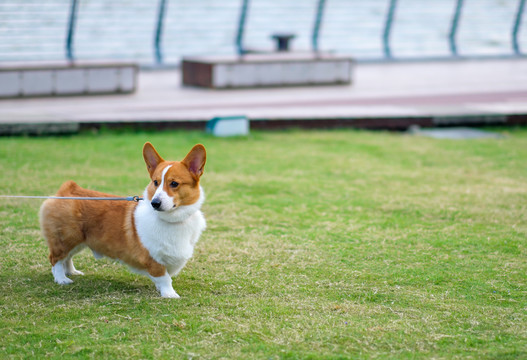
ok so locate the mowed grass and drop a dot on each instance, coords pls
(320, 244)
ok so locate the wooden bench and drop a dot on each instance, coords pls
(272, 69)
(63, 78)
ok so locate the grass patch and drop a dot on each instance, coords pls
(320, 244)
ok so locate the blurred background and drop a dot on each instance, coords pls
(161, 32)
(384, 64)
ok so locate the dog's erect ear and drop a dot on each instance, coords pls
(195, 161)
(152, 158)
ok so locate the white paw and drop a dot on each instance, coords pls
(164, 285)
(170, 294)
(64, 281)
(75, 272)
(59, 274)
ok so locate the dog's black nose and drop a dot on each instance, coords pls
(156, 203)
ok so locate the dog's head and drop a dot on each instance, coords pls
(174, 183)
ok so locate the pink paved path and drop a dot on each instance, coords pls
(411, 90)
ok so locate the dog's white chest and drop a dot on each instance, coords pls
(169, 243)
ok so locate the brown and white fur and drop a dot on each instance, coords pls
(155, 237)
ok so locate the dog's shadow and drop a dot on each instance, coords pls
(88, 286)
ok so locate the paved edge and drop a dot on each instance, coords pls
(368, 123)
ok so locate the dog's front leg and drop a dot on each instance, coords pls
(164, 285)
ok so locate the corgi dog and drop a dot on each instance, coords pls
(154, 236)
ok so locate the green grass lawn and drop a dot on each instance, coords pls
(320, 244)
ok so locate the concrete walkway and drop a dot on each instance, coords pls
(385, 95)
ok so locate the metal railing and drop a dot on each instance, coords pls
(516, 27)
(388, 26)
(238, 29)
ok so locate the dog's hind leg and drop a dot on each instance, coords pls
(68, 262)
(65, 267)
(59, 273)
(62, 246)
(61, 227)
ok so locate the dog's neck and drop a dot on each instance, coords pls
(181, 213)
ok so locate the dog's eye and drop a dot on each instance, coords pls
(174, 184)
(156, 183)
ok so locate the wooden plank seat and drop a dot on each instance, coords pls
(63, 78)
(271, 69)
